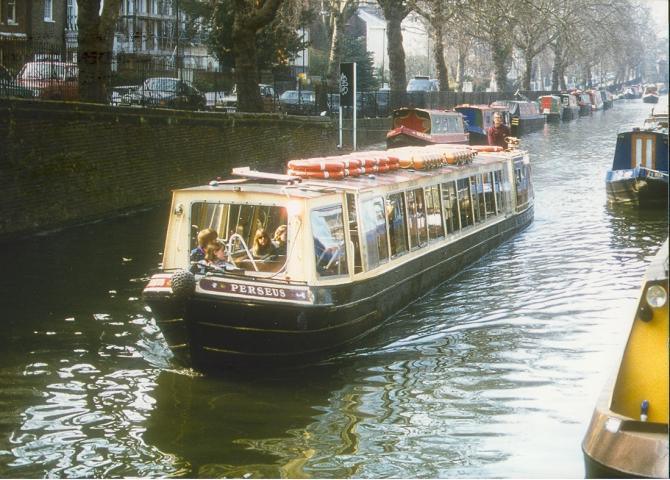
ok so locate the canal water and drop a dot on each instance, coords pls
(492, 374)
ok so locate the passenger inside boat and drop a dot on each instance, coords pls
(216, 253)
(205, 237)
(263, 246)
(279, 240)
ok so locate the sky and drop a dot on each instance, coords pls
(659, 12)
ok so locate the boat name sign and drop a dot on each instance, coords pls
(248, 290)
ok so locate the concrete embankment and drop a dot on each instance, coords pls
(64, 163)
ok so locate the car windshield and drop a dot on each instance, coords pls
(419, 84)
(45, 70)
(161, 84)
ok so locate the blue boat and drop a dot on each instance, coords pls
(479, 118)
(525, 115)
(639, 174)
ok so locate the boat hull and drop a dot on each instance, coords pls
(570, 114)
(416, 139)
(650, 99)
(210, 332)
(637, 187)
(523, 126)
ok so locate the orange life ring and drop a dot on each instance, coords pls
(322, 174)
(486, 148)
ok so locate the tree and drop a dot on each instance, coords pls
(438, 14)
(395, 12)
(96, 40)
(353, 50)
(493, 21)
(253, 34)
(335, 14)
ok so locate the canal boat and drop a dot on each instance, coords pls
(525, 115)
(551, 107)
(418, 126)
(628, 433)
(596, 99)
(607, 98)
(366, 234)
(479, 118)
(584, 103)
(650, 94)
(570, 106)
(639, 174)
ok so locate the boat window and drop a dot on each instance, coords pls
(521, 177)
(416, 211)
(489, 199)
(475, 191)
(497, 184)
(330, 253)
(373, 220)
(395, 215)
(434, 213)
(450, 202)
(353, 232)
(464, 203)
(638, 152)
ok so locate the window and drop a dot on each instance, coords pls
(330, 253)
(481, 198)
(434, 213)
(450, 202)
(395, 214)
(373, 219)
(11, 12)
(489, 194)
(474, 194)
(497, 185)
(48, 10)
(464, 203)
(353, 232)
(523, 190)
(416, 211)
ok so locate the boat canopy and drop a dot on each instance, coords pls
(429, 121)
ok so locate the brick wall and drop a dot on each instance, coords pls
(63, 163)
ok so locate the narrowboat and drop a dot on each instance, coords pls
(570, 106)
(639, 174)
(417, 126)
(596, 99)
(584, 103)
(628, 433)
(650, 94)
(607, 98)
(526, 116)
(366, 234)
(551, 107)
(478, 119)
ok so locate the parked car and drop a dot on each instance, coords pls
(229, 102)
(212, 99)
(125, 95)
(296, 102)
(166, 92)
(9, 87)
(52, 80)
(423, 83)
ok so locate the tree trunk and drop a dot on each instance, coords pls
(499, 61)
(332, 54)
(396, 53)
(555, 71)
(94, 57)
(246, 70)
(438, 53)
(460, 72)
(528, 73)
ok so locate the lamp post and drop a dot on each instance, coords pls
(383, 52)
(177, 52)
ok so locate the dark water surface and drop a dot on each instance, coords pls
(493, 374)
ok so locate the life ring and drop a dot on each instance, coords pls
(321, 174)
(486, 148)
(322, 164)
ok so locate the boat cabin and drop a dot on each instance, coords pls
(551, 107)
(479, 118)
(525, 115)
(417, 126)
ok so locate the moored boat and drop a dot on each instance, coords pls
(395, 225)
(551, 107)
(650, 94)
(525, 115)
(596, 99)
(607, 98)
(417, 126)
(639, 173)
(628, 433)
(570, 106)
(584, 103)
(478, 119)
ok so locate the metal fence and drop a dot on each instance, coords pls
(45, 71)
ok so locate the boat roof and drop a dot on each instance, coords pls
(475, 106)
(429, 111)
(312, 188)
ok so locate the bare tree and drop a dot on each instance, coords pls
(438, 14)
(493, 21)
(96, 40)
(395, 12)
(335, 14)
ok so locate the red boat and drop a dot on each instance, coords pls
(417, 126)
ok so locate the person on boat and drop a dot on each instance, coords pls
(262, 246)
(205, 237)
(279, 240)
(498, 132)
(215, 254)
